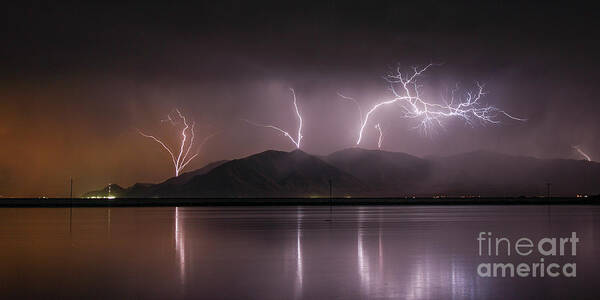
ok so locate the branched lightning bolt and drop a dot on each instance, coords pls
(587, 157)
(356, 103)
(183, 157)
(296, 141)
(406, 92)
(378, 127)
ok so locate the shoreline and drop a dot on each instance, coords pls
(149, 202)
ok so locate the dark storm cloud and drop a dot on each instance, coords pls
(78, 79)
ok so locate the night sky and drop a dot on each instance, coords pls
(77, 80)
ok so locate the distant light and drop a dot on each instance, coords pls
(101, 197)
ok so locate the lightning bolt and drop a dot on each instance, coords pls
(296, 141)
(355, 103)
(405, 89)
(183, 156)
(587, 157)
(378, 127)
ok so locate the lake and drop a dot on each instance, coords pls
(291, 252)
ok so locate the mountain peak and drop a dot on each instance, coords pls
(271, 173)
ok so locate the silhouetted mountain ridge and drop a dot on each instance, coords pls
(272, 173)
(386, 173)
(375, 173)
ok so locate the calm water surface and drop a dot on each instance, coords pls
(353, 252)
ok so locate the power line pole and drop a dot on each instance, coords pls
(549, 185)
(71, 208)
(330, 197)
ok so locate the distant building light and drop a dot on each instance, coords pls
(101, 197)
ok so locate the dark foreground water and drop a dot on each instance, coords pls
(400, 252)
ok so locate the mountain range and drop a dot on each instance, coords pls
(356, 172)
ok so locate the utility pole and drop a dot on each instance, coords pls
(71, 208)
(330, 198)
(549, 185)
